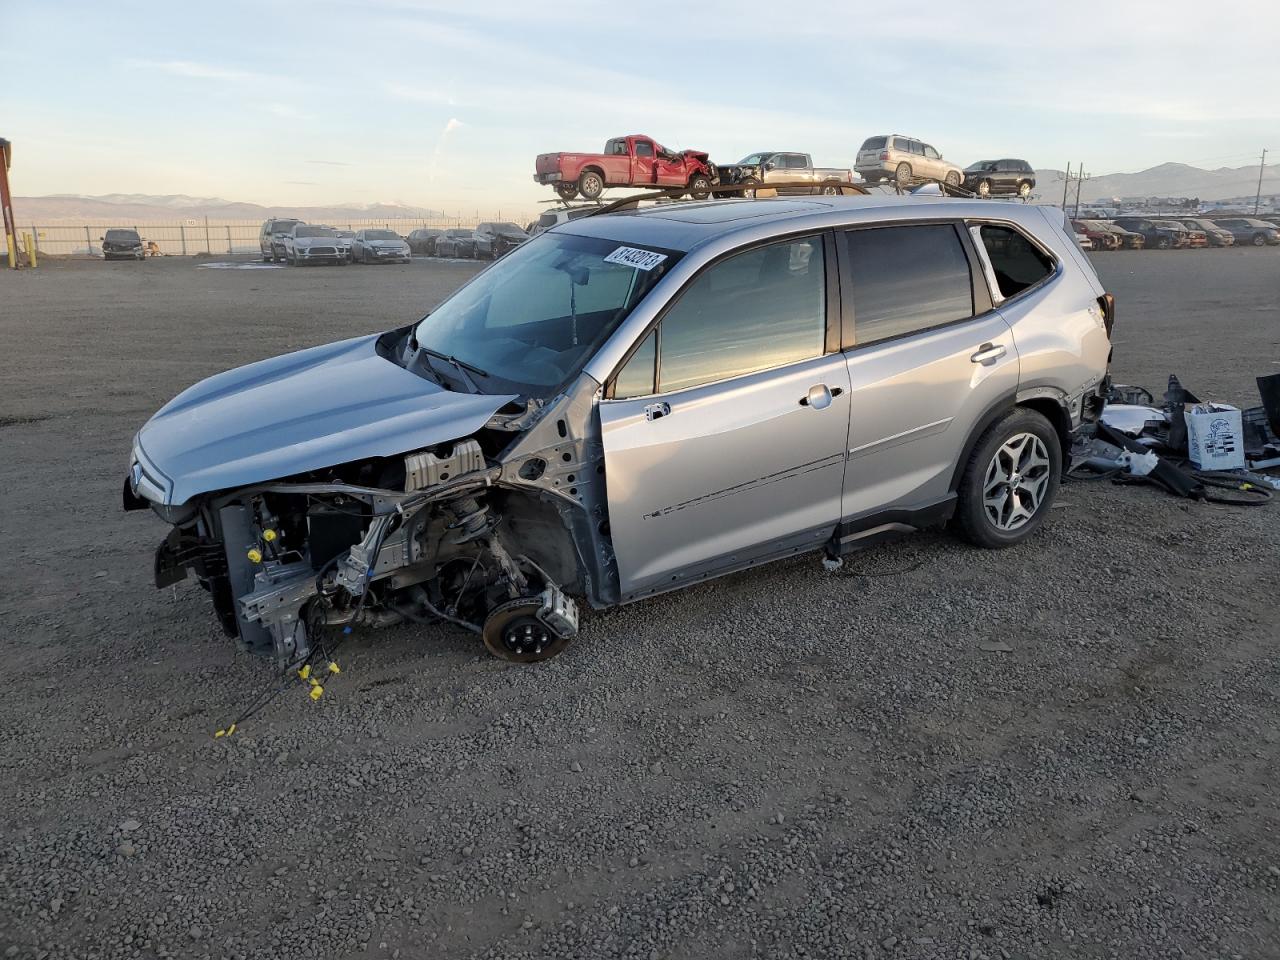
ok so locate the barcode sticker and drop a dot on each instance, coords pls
(634, 257)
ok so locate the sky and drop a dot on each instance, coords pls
(445, 103)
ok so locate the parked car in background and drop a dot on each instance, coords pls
(1082, 239)
(703, 365)
(121, 243)
(456, 242)
(1195, 237)
(307, 243)
(345, 238)
(1214, 234)
(993, 178)
(630, 161)
(904, 159)
(773, 166)
(1128, 239)
(271, 237)
(549, 218)
(495, 238)
(1161, 238)
(1250, 230)
(423, 240)
(1099, 237)
(379, 246)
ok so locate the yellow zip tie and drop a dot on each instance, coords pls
(225, 733)
(333, 667)
(305, 672)
(317, 692)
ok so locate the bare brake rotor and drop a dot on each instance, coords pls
(513, 631)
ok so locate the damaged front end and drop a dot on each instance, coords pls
(490, 532)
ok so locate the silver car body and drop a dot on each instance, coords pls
(369, 247)
(617, 499)
(306, 243)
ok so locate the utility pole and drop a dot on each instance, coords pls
(6, 203)
(1257, 197)
(1081, 177)
(1065, 185)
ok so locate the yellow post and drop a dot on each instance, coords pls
(31, 248)
(11, 244)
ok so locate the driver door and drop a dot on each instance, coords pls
(724, 433)
(642, 167)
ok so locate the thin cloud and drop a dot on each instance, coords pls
(205, 71)
(420, 94)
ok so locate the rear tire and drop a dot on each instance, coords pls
(902, 174)
(830, 190)
(1163, 243)
(1024, 189)
(1010, 481)
(952, 179)
(1259, 240)
(566, 191)
(591, 185)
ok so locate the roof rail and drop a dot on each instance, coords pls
(676, 193)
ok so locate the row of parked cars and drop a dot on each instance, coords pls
(637, 160)
(297, 243)
(1135, 233)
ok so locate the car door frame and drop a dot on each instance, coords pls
(888, 521)
(801, 541)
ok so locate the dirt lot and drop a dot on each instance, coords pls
(783, 763)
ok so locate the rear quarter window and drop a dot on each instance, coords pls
(1018, 263)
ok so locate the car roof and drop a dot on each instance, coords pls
(687, 225)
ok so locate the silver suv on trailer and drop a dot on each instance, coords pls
(632, 403)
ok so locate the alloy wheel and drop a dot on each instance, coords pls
(1015, 482)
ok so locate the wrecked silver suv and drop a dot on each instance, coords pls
(631, 403)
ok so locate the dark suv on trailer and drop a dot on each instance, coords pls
(989, 178)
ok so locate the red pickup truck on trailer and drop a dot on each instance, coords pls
(633, 161)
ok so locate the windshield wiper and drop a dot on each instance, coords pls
(460, 365)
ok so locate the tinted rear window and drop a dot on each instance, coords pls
(1016, 261)
(874, 143)
(907, 279)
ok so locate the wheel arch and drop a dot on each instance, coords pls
(1046, 401)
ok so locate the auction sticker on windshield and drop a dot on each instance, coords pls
(634, 257)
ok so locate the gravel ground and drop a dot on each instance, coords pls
(1064, 750)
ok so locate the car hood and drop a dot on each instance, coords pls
(316, 241)
(300, 412)
(395, 244)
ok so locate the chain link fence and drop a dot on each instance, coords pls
(210, 237)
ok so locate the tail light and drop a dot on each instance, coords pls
(884, 155)
(1108, 304)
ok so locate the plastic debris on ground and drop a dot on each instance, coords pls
(1190, 447)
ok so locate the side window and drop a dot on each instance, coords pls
(755, 310)
(907, 279)
(644, 148)
(636, 378)
(917, 148)
(931, 153)
(1016, 261)
(796, 161)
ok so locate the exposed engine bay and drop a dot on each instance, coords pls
(491, 532)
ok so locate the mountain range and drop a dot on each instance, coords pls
(141, 207)
(1165, 180)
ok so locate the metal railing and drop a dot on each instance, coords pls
(211, 237)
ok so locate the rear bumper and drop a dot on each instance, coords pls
(554, 177)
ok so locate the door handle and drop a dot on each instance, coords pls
(988, 353)
(819, 396)
(656, 411)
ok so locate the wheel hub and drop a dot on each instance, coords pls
(1016, 481)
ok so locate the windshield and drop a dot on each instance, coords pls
(507, 229)
(535, 318)
(281, 226)
(118, 235)
(982, 165)
(314, 232)
(753, 159)
(381, 235)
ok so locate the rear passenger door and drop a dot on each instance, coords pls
(927, 355)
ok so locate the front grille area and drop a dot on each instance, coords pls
(321, 251)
